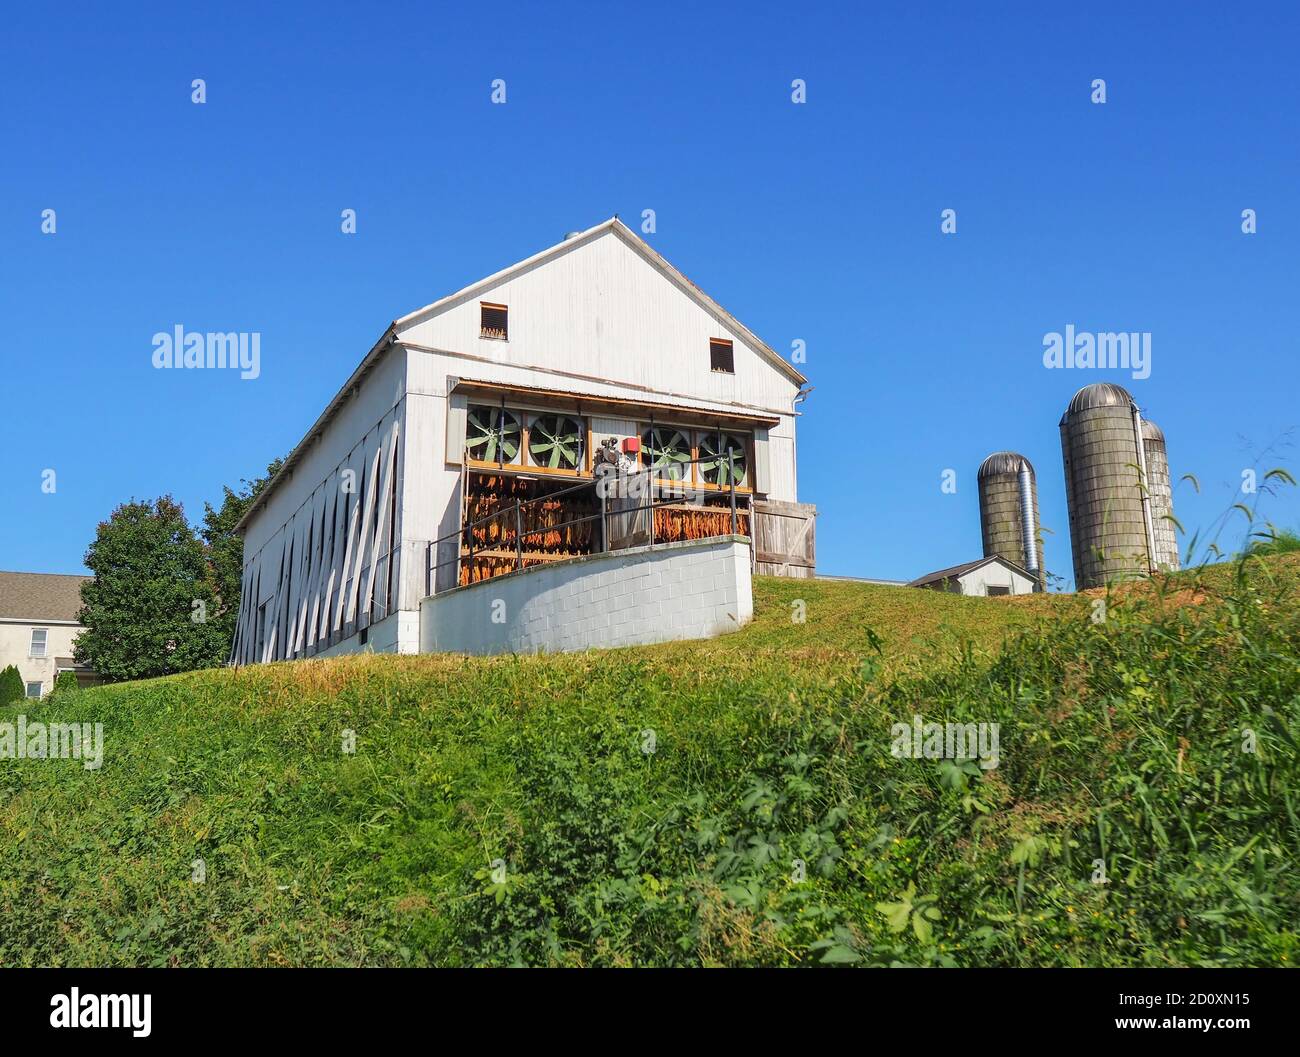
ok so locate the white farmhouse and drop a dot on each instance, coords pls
(38, 628)
(521, 389)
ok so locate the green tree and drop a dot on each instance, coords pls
(11, 686)
(148, 610)
(225, 549)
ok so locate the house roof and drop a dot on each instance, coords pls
(390, 335)
(958, 571)
(40, 596)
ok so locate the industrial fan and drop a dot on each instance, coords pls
(492, 434)
(556, 441)
(667, 452)
(715, 448)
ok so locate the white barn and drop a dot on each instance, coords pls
(505, 391)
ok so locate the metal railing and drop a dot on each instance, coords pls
(613, 479)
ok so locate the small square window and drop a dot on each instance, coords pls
(721, 357)
(33, 689)
(493, 321)
(38, 642)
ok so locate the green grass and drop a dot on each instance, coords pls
(1281, 541)
(1120, 741)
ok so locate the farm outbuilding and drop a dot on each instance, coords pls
(985, 577)
(469, 443)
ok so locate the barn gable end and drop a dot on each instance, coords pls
(605, 306)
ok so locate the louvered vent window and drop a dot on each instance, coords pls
(493, 321)
(720, 356)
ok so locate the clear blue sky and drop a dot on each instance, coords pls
(819, 222)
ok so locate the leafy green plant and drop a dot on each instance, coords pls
(11, 686)
(66, 683)
(919, 910)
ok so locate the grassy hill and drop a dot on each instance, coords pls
(770, 823)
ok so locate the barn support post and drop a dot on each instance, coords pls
(753, 536)
(519, 539)
(604, 542)
(731, 473)
(470, 532)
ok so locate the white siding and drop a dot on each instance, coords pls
(602, 311)
(325, 566)
(978, 581)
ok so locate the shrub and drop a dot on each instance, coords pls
(11, 686)
(66, 683)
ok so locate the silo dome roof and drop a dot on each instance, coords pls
(1099, 394)
(1150, 431)
(1004, 462)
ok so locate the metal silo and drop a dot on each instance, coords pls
(1111, 524)
(1009, 511)
(1162, 495)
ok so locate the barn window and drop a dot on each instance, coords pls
(493, 321)
(720, 356)
(994, 590)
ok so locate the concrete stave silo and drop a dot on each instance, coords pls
(1162, 496)
(1112, 516)
(1008, 495)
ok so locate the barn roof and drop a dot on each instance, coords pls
(40, 596)
(390, 335)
